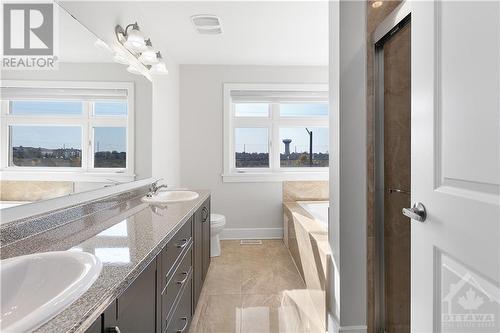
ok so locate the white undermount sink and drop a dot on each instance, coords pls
(36, 287)
(171, 196)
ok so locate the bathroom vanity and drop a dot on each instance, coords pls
(164, 295)
(154, 261)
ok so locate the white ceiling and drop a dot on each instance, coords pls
(77, 44)
(254, 32)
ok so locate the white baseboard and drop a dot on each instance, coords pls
(354, 329)
(252, 233)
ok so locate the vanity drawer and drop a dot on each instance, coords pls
(174, 248)
(181, 319)
(180, 278)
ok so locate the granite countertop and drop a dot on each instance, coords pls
(125, 243)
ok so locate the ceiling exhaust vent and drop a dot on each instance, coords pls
(207, 24)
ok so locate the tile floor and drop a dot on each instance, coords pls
(244, 291)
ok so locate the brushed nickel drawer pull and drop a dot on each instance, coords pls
(181, 282)
(185, 325)
(182, 244)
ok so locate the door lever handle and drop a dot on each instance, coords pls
(417, 212)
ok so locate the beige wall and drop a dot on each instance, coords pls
(246, 205)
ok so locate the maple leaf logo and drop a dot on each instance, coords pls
(470, 301)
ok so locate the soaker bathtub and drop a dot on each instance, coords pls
(318, 209)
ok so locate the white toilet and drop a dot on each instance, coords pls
(217, 223)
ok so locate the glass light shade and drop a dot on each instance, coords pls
(135, 41)
(149, 57)
(160, 68)
(132, 69)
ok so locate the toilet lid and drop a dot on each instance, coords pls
(217, 218)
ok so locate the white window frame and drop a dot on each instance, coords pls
(275, 172)
(87, 121)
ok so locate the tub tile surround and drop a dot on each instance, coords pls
(125, 233)
(298, 220)
(267, 293)
(11, 190)
(306, 238)
(305, 191)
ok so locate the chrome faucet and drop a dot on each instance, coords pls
(154, 188)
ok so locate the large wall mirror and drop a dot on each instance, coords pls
(82, 125)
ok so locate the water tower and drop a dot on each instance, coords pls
(287, 146)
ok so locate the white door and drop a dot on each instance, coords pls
(455, 166)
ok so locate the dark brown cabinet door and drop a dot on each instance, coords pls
(135, 310)
(205, 220)
(201, 248)
(197, 258)
(110, 321)
(181, 318)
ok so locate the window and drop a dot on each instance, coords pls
(275, 132)
(296, 147)
(45, 146)
(251, 147)
(67, 128)
(110, 147)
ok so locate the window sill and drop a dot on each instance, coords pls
(261, 177)
(97, 177)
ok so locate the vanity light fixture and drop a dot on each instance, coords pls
(148, 57)
(120, 58)
(134, 50)
(134, 70)
(133, 40)
(159, 68)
